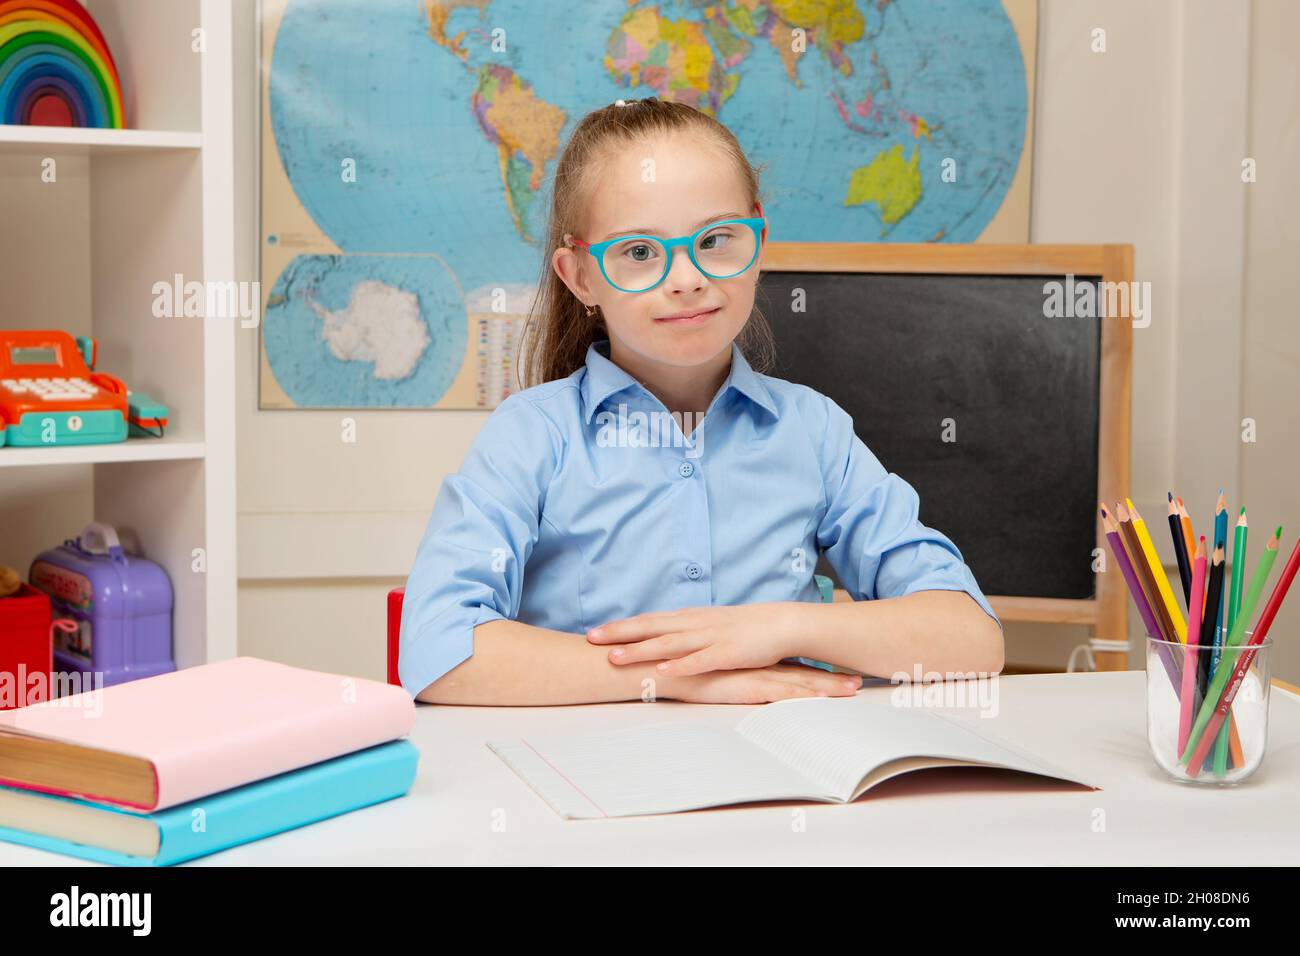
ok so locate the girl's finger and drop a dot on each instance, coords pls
(774, 689)
(838, 685)
(701, 662)
(664, 647)
(636, 628)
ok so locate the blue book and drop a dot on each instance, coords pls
(108, 834)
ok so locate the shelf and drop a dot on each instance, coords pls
(132, 207)
(39, 139)
(133, 449)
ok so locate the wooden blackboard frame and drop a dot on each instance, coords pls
(1107, 611)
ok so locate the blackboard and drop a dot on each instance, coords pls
(902, 353)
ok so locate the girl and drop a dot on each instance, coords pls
(645, 522)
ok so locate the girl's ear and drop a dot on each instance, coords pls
(567, 265)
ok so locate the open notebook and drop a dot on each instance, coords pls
(828, 749)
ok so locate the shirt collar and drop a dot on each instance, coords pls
(604, 379)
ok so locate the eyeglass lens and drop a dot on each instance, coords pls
(638, 262)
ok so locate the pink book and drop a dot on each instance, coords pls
(160, 741)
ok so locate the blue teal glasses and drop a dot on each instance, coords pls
(720, 250)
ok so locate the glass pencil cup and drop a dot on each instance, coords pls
(1190, 734)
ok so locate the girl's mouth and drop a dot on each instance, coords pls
(698, 317)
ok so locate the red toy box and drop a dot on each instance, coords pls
(26, 654)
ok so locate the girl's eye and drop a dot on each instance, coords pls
(715, 240)
(639, 252)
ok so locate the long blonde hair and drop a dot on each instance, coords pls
(559, 330)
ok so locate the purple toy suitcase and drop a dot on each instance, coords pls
(121, 605)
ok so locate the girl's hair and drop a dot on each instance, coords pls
(558, 345)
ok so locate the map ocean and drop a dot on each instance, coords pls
(454, 141)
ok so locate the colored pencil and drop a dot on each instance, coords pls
(1235, 752)
(1180, 550)
(1221, 747)
(1220, 541)
(1262, 626)
(1218, 633)
(1188, 698)
(1238, 568)
(1219, 682)
(1139, 597)
(1157, 571)
(1143, 571)
(1189, 540)
(1209, 623)
(1211, 629)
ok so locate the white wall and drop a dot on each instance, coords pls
(1103, 154)
(326, 528)
(1144, 144)
(1270, 379)
(1141, 144)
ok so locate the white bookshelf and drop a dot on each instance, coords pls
(41, 139)
(131, 208)
(160, 449)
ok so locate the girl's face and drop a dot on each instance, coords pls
(668, 187)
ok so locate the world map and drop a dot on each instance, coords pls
(876, 121)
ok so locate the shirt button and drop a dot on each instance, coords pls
(693, 571)
(686, 469)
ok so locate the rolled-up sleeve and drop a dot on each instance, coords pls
(871, 533)
(469, 568)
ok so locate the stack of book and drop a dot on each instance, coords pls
(165, 769)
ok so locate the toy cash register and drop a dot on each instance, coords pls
(49, 394)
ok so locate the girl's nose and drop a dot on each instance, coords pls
(682, 274)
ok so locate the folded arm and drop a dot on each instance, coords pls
(944, 632)
(519, 664)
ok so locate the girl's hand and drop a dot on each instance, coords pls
(696, 640)
(760, 685)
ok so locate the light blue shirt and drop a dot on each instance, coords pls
(571, 510)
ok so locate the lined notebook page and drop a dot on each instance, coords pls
(838, 740)
(661, 768)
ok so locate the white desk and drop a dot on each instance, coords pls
(1092, 723)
